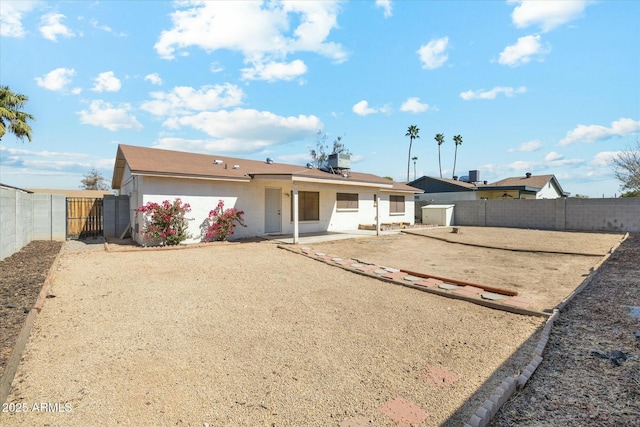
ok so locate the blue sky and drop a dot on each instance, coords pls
(548, 87)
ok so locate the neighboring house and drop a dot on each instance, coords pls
(277, 198)
(523, 187)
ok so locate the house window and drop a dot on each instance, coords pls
(308, 206)
(396, 204)
(347, 201)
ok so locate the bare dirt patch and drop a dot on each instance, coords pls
(546, 278)
(573, 386)
(248, 334)
(21, 278)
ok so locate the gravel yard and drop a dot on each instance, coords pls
(249, 334)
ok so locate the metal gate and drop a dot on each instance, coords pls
(84, 217)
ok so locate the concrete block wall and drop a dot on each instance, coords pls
(621, 214)
(7, 222)
(49, 217)
(26, 216)
(530, 213)
(116, 215)
(615, 215)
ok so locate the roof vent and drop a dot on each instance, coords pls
(269, 160)
(528, 174)
(217, 162)
(236, 166)
(309, 165)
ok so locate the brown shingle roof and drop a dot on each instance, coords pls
(537, 181)
(153, 161)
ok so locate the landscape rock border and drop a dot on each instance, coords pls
(505, 390)
(16, 354)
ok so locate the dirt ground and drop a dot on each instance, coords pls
(248, 334)
(574, 385)
(21, 277)
(545, 277)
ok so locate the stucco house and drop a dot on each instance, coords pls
(277, 198)
(527, 186)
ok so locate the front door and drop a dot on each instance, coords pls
(272, 210)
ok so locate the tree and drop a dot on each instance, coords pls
(11, 117)
(440, 139)
(415, 158)
(626, 169)
(94, 181)
(319, 155)
(458, 141)
(412, 133)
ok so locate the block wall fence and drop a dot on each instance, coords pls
(28, 216)
(614, 215)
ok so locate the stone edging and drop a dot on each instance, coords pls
(483, 415)
(16, 354)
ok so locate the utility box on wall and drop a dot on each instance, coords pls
(438, 215)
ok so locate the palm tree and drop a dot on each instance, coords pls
(412, 133)
(415, 158)
(440, 139)
(11, 116)
(458, 141)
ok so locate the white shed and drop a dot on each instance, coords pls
(438, 214)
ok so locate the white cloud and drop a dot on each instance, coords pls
(433, 54)
(106, 82)
(525, 49)
(241, 130)
(57, 79)
(183, 99)
(386, 6)
(547, 14)
(362, 109)
(522, 165)
(552, 156)
(216, 67)
(300, 158)
(11, 13)
(413, 105)
(528, 146)
(604, 158)
(51, 27)
(105, 115)
(592, 133)
(273, 71)
(264, 32)
(493, 93)
(154, 79)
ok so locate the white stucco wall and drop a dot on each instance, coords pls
(203, 196)
(549, 191)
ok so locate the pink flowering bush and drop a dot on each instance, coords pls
(166, 222)
(221, 222)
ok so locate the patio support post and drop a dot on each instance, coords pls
(295, 215)
(378, 213)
